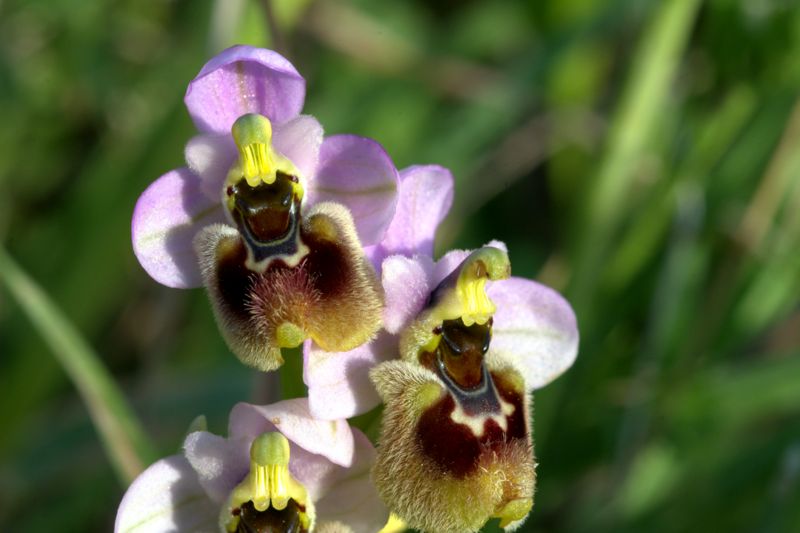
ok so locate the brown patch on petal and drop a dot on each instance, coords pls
(454, 448)
(433, 474)
(331, 295)
(233, 278)
(228, 281)
(349, 309)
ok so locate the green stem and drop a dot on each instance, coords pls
(291, 374)
(123, 438)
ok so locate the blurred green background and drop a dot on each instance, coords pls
(640, 156)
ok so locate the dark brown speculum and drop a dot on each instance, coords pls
(267, 215)
(316, 282)
(271, 521)
(493, 405)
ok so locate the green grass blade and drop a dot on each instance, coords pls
(121, 433)
(647, 89)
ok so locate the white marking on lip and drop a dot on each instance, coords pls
(477, 423)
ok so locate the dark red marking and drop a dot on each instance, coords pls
(325, 272)
(234, 281)
(453, 447)
(328, 264)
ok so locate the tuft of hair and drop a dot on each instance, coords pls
(220, 247)
(418, 490)
(332, 295)
(418, 334)
(346, 309)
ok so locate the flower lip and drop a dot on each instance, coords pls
(462, 468)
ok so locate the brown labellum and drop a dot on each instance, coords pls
(326, 291)
(455, 447)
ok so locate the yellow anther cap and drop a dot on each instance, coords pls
(258, 162)
(269, 483)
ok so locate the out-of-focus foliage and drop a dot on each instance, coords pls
(681, 413)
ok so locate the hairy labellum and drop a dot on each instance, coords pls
(330, 294)
(442, 470)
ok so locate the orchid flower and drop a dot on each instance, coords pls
(278, 470)
(463, 347)
(269, 215)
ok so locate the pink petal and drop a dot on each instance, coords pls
(331, 439)
(353, 499)
(358, 173)
(447, 264)
(315, 472)
(534, 329)
(300, 140)
(210, 156)
(424, 198)
(220, 463)
(168, 215)
(167, 497)
(338, 382)
(240, 80)
(494, 243)
(407, 285)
